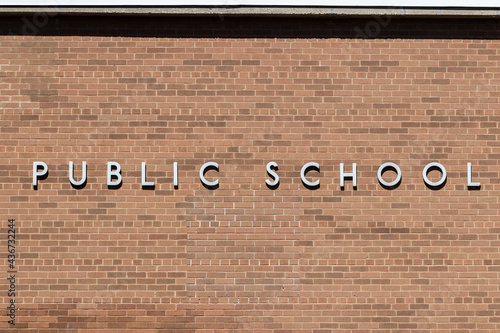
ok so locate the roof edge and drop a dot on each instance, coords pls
(258, 11)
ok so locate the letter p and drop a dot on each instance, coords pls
(37, 174)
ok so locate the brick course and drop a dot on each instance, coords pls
(243, 92)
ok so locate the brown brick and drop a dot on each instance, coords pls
(243, 92)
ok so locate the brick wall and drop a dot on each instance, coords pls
(243, 92)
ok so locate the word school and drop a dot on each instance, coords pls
(114, 178)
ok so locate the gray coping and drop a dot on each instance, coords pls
(258, 11)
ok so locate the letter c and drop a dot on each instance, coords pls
(202, 174)
(303, 174)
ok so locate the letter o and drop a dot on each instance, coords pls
(376, 27)
(426, 170)
(381, 171)
(40, 23)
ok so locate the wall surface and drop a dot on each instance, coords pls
(242, 92)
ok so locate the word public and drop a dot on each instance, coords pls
(114, 178)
